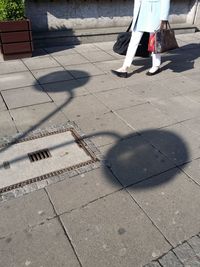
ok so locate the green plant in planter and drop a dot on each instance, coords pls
(12, 10)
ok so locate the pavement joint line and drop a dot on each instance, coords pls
(64, 229)
(91, 202)
(35, 104)
(151, 220)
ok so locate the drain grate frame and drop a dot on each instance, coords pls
(83, 143)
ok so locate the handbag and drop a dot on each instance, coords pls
(165, 40)
(123, 39)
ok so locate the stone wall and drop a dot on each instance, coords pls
(84, 14)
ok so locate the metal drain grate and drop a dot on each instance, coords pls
(39, 155)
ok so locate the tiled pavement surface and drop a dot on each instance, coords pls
(141, 206)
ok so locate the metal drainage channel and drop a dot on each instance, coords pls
(42, 154)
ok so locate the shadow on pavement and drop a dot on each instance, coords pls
(179, 60)
(152, 152)
(66, 100)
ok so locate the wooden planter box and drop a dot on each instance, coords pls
(16, 39)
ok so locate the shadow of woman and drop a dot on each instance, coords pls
(179, 60)
(137, 158)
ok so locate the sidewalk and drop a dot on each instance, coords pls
(141, 204)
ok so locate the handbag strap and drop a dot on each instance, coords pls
(129, 27)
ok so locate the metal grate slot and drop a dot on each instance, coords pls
(39, 155)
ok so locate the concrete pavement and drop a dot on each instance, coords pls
(140, 205)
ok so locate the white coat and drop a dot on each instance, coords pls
(148, 14)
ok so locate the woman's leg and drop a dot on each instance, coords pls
(132, 48)
(156, 62)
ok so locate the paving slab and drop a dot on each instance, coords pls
(44, 245)
(145, 116)
(193, 170)
(80, 190)
(72, 59)
(194, 96)
(129, 98)
(106, 66)
(38, 116)
(179, 108)
(25, 96)
(61, 50)
(24, 212)
(63, 91)
(105, 45)
(51, 75)
(168, 201)
(133, 159)
(100, 83)
(104, 129)
(12, 66)
(153, 90)
(89, 70)
(40, 62)
(7, 125)
(2, 104)
(178, 142)
(88, 106)
(170, 260)
(98, 56)
(84, 48)
(113, 231)
(15, 80)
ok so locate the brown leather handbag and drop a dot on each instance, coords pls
(165, 40)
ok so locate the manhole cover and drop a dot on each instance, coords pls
(34, 159)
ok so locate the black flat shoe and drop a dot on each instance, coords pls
(120, 74)
(153, 73)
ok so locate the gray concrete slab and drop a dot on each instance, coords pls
(98, 56)
(179, 143)
(179, 108)
(7, 125)
(16, 80)
(88, 106)
(12, 66)
(52, 75)
(129, 98)
(61, 92)
(40, 63)
(72, 59)
(105, 45)
(133, 159)
(106, 66)
(104, 129)
(192, 169)
(44, 245)
(25, 96)
(85, 48)
(89, 69)
(145, 116)
(80, 190)
(100, 83)
(113, 231)
(2, 104)
(194, 96)
(38, 116)
(168, 201)
(27, 211)
(60, 50)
